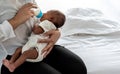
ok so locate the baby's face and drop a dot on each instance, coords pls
(45, 16)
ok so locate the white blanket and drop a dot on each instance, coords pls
(93, 37)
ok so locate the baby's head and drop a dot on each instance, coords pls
(55, 16)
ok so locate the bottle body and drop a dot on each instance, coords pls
(38, 13)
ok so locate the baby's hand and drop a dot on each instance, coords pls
(34, 27)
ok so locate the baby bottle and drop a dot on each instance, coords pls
(38, 13)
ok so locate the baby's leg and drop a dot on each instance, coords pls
(8, 65)
(28, 54)
(32, 53)
(16, 55)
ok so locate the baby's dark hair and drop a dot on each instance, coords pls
(58, 18)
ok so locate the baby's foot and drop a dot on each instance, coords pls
(7, 64)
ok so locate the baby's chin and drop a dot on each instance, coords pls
(41, 19)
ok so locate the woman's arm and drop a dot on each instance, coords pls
(54, 36)
(7, 27)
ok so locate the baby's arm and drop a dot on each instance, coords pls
(37, 29)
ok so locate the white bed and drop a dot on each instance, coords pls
(89, 33)
(93, 37)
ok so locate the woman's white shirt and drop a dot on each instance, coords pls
(11, 39)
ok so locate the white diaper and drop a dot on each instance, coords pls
(32, 42)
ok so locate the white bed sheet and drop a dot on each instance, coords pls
(101, 54)
(99, 49)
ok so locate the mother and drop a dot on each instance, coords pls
(16, 20)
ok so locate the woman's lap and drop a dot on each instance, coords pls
(32, 68)
(59, 61)
(65, 61)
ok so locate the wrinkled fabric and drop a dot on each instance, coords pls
(99, 47)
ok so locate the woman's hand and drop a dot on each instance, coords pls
(54, 36)
(23, 14)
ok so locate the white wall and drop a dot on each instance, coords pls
(111, 8)
(65, 4)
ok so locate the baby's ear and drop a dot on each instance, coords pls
(51, 19)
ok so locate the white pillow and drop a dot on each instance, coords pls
(88, 21)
